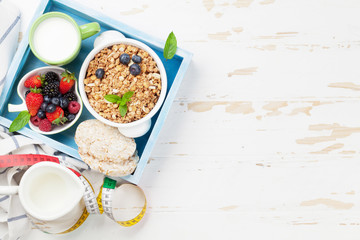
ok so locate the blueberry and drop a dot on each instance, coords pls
(59, 95)
(41, 114)
(64, 103)
(124, 58)
(136, 58)
(51, 108)
(43, 106)
(27, 92)
(99, 73)
(71, 117)
(55, 101)
(135, 69)
(47, 99)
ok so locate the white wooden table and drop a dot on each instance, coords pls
(263, 139)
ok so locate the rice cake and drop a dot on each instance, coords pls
(105, 149)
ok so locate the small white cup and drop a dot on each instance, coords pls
(52, 196)
(139, 127)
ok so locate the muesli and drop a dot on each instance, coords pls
(121, 69)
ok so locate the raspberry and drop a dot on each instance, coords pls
(35, 120)
(74, 107)
(45, 125)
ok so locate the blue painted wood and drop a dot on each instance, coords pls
(24, 61)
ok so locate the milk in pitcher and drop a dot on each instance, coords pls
(51, 193)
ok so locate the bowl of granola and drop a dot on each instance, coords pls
(123, 83)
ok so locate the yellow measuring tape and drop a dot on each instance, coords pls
(134, 221)
(81, 220)
(104, 201)
(107, 192)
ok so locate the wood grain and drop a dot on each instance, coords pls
(262, 141)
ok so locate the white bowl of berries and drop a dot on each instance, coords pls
(51, 102)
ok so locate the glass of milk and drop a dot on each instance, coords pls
(55, 37)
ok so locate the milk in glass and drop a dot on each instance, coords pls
(56, 39)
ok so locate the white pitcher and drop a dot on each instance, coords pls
(52, 196)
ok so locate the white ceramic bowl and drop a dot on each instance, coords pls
(139, 127)
(21, 89)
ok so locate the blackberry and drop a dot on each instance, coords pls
(66, 113)
(52, 90)
(70, 96)
(51, 77)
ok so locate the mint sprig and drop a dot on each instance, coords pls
(170, 46)
(122, 101)
(20, 121)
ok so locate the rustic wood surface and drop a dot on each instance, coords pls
(262, 141)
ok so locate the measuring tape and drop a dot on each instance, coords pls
(93, 204)
(107, 195)
(25, 160)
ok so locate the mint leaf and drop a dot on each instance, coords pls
(112, 98)
(20, 121)
(128, 95)
(170, 46)
(123, 101)
(126, 98)
(123, 109)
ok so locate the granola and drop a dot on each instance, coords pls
(118, 80)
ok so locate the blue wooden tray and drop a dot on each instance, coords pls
(24, 61)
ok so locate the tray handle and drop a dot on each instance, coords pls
(17, 108)
(107, 37)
